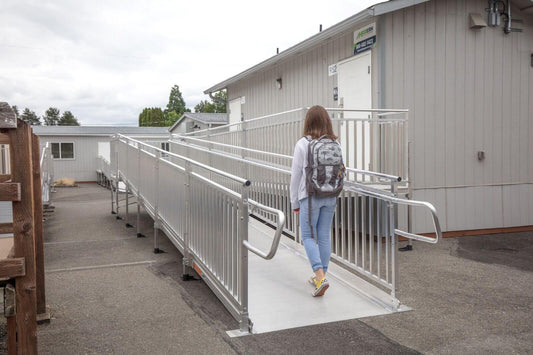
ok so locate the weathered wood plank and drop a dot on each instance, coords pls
(4, 139)
(5, 178)
(11, 335)
(10, 268)
(9, 191)
(6, 228)
(24, 242)
(38, 226)
(8, 119)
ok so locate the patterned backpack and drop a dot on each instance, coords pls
(325, 171)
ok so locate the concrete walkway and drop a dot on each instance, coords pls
(110, 294)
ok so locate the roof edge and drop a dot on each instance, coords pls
(372, 11)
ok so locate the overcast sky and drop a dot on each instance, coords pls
(106, 60)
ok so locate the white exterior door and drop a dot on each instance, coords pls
(235, 112)
(355, 92)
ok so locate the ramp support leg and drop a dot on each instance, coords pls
(139, 234)
(128, 206)
(117, 193)
(156, 239)
(112, 199)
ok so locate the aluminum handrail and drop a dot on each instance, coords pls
(247, 121)
(380, 112)
(392, 178)
(414, 203)
(277, 236)
(193, 162)
(354, 186)
(276, 155)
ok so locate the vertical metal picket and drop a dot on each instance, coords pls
(244, 323)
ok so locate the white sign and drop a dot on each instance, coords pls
(332, 70)
(364, 38)
(243, 100)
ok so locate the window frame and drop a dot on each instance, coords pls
(60, 154)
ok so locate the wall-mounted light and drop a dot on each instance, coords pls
(278, 83)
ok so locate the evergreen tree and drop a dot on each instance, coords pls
(51, 117)
(175, 101)
(68, 119)
(30, 117)
(16, 110)
(152, 117)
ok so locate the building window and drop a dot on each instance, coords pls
(63, 150)
(165, 146)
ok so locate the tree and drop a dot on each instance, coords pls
(217, 105)
(175, 107)
(68, 119)
(171, 117)
(30, 117)
(204, 106)
(152, 117)
(175, 101)
(51, 117)
(16, 110)
(220, 101)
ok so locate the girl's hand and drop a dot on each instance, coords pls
(297, 210)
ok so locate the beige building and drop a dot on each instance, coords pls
(464, 73)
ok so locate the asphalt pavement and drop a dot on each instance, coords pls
(109, 293)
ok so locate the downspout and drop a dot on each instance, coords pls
(216, 99)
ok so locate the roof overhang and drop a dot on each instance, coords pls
(372, 11)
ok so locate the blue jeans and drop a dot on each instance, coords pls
(322, 211)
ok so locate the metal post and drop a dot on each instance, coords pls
(139, 199)
(128, 205)
(117, 183)
(112, 154)
(187, 262)
(157, 224)
(244, 323)
(394, 259)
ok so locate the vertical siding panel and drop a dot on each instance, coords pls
(488, 109)
(398, 57)
(389, 58)
(450, 78)
(480, 105)
(505, 117)
(408, 68)
(470, 92)
(526, 114)
(440, 94)
(430, 163)
(460, 94)
(515, 107)
(496, 133)
(420, 117)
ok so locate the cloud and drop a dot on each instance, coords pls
(106, 60)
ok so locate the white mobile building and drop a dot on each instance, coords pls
(464, 73)
(75, 149)
(190, 122)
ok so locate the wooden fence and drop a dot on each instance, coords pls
(23, 268)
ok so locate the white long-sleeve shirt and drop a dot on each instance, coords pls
(299, 163)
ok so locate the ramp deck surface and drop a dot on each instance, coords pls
(280, 294)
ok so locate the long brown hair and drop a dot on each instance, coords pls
(317, 123)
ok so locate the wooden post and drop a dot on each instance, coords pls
(11, 335)
(38, 225)
(23, 237)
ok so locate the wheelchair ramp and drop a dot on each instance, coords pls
(280, 295)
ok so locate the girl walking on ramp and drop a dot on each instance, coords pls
(317, 177)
